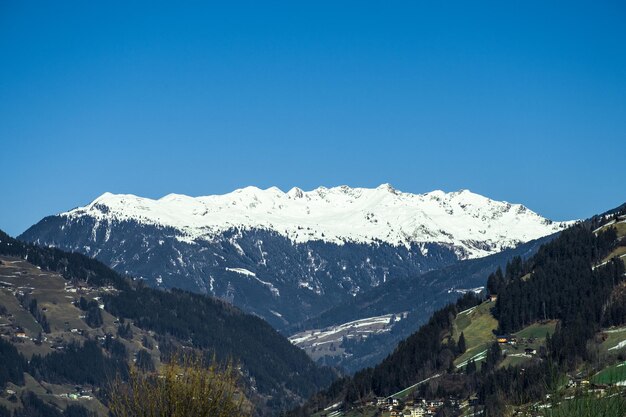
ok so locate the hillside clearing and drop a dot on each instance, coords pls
(477, 325)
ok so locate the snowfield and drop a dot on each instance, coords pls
(334, 334)
(477, 226)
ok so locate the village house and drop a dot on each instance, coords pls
(506, 338)
(415, 411)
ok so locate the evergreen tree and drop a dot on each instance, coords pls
(470, 368)
(93, 318)
(124, 331)
(494, 354)
(144, 361)
(461, 345)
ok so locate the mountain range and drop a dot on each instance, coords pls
(289, 256)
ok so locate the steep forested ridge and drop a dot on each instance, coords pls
(213, 325)
(557, 281)
(561, 282)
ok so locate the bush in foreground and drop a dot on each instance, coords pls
(185, 387)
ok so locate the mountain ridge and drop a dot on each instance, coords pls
(471, 223)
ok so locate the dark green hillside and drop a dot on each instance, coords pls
(561, 282)
(215, 326)
(136, 320)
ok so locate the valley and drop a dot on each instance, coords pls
(312, 209)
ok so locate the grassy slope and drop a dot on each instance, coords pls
(478, 325)
(619, 226)
(533, 337)
(590, 406)
(613, 339)
(611, 375)
(537, 330)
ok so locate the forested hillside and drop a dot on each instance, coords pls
(576, 281)
(122, 320)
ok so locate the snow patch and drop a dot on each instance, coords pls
(619, 345)
(275, 292)
(361, 326)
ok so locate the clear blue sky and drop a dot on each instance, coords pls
(521, 101)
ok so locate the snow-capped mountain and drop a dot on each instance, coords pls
(288, 255)
(475, 225)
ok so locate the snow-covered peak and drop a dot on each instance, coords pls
(475, 225)
(295, 192)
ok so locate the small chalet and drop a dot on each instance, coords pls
(506, 338)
